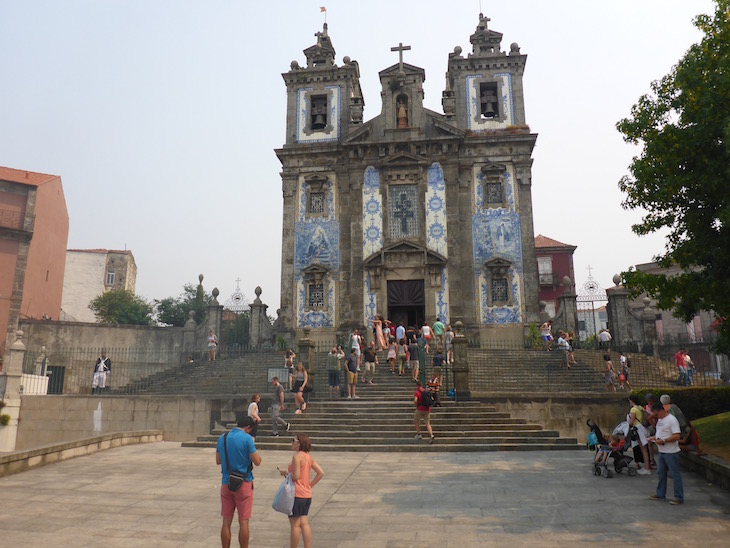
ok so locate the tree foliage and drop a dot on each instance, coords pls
(174, 310)
(681, 179)
(120, 306)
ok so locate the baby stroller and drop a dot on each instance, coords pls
(604, 450)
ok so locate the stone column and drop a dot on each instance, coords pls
(461, 364)
(12, 392)
(619, 322)
(305, 355)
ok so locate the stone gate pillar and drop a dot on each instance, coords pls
(569, 306)
(619, 322)
(215, 313)
(257, 335)
(461, 364)
(189, 335)
(305, 352)
(11, 397)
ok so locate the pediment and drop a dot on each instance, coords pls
(497, 263)
(411, 250)
(408, 69)
(402, 158)
(445, 127)
(313, 269)
(493, 167)
(360, 134)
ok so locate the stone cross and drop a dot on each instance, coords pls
(400, 48)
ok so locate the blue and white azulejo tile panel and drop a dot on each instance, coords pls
(372, 214)
(436, 211)
(316, 242)
(333, 104)
(474, 120)
(497, 233)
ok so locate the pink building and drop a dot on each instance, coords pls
(554, 262)
(33, 238)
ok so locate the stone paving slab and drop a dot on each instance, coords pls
(161, 494)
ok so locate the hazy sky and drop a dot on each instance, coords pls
(161, 117)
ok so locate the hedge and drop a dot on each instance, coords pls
(695, 403)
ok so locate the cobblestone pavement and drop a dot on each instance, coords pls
(161, 494)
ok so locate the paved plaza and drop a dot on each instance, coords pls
(161, 494)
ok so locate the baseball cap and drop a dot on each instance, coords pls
(665, 399)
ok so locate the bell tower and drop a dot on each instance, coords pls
(484, 89)
(323, 100)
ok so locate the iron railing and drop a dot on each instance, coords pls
(495, 367)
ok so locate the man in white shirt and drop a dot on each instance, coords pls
(667, 442)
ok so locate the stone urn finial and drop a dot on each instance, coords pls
(200, 278)
(18, 344)
(458, 328)
(307, 330)
(646, 301)
(616, 280)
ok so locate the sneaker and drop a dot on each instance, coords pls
(655, 497)
(432, 438)
(418, 436)
(276, 435)
(355, 397)
(674, 502)
(643, 472)
(349, 397)
(288, 426)
(298, 412)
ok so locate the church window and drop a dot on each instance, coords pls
(316, 202)
(318, 115)
(499, 291)
(110, 277)
(494, 192)
(488, 102)
(316, 295)
(316, 190)
(403, 212)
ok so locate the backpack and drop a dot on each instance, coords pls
(426, 399)
(628, 361)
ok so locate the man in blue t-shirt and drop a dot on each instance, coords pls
(236, 452)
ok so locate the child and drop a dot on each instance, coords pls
(616, 444)
(434, 383)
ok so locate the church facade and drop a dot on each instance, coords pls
(413, 214)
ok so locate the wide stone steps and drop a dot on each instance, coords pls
(382, 420)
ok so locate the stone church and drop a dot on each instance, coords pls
(413, 214)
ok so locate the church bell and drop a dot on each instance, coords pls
(320, 122)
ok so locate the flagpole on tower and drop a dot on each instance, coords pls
(324, 10)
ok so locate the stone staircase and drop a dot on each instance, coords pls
(382, 420)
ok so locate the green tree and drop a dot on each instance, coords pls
(681, 179)
(120, 306)
(174, 310)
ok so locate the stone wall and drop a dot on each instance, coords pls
(566, 414)
(55, 419)
(94, 335)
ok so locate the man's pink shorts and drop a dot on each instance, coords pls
(241, 500)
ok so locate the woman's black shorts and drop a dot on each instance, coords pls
(301, 507)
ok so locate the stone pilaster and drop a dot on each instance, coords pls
(189, 334)
(568, 307)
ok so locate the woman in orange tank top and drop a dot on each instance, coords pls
(300, 469)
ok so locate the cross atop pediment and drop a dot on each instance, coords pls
(400, 48)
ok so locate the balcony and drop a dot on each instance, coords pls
(547, 278)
